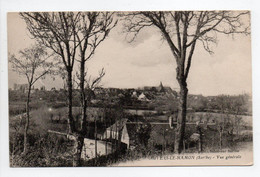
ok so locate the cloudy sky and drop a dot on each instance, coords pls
(148, 61)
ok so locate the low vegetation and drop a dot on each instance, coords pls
(46, 149)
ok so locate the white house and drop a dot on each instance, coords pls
(142, 97)
(118, 131)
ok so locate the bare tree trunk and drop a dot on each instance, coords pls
(79, 139)
(83, 97)
(220, 138)
(82, 130)
(70, 89)
(105, 127)
(181, 121)
(78, 145)
(95, 140)
(26, 127)
(200, 143)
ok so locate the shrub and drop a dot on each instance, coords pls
(44, 151)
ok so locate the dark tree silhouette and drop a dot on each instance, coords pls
(72, 37)
(183, 30)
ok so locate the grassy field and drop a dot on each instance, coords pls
(247, 120)
(57, 150)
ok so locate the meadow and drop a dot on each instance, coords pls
(56, 150)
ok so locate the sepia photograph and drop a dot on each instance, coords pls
(130, 88)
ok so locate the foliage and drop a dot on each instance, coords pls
(46, 151)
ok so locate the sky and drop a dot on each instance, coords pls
(149, 61)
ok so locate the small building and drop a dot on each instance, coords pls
(131, 134)
(142, 97)
(117, 131)
(88, 149)
(134, 94)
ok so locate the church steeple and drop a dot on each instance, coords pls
(161, 88)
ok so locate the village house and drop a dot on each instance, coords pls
(128, 133)
(117, 131)
(142, 97)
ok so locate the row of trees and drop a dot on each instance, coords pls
(75, 36)
(238, 104)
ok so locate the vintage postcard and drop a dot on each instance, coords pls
(134, 88)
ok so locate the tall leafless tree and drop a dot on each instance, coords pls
(72, 36)
(183, 30)
(93, 28)
(54, 30)
(33, 64)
